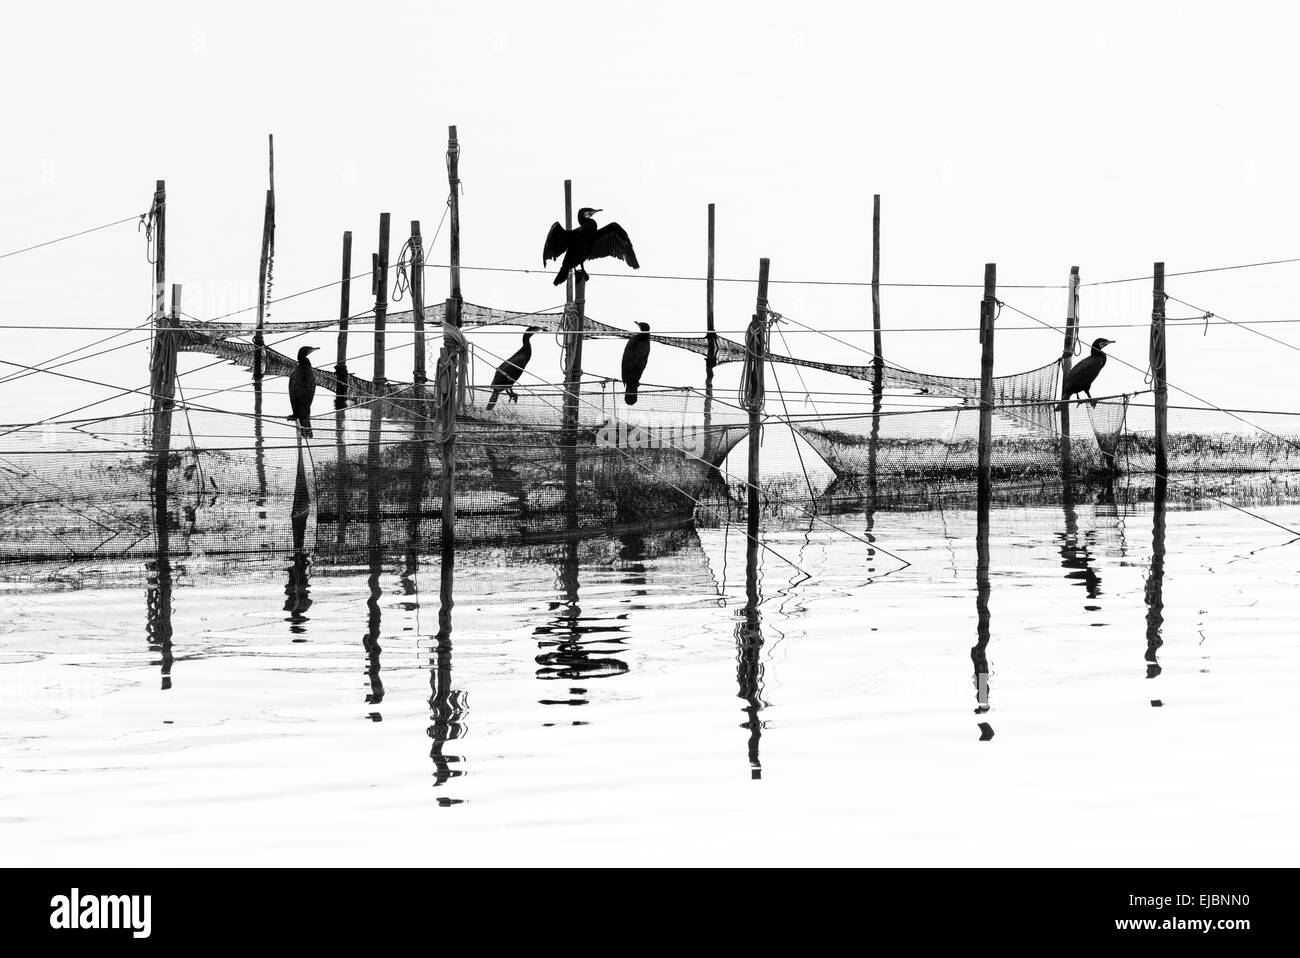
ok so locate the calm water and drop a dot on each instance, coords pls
(613, 703)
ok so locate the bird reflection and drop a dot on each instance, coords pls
(297, 590)
(749, 662)
(979, 652)
(568, 643)
(447, 707)
(1076, 556)
(1154, 591)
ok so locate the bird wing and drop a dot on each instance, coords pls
(508, 372)
(635, 356)
(612, 240)
(557, 241)
(1081, 376)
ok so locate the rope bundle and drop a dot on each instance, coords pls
(453, 366)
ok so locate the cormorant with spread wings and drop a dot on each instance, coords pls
(586, 242)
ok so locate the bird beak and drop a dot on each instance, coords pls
(598, 211)
(312, 349)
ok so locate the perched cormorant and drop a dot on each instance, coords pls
(1084, 374)
(508, 372)
(635, 355)
(586, 242)
(302, 387)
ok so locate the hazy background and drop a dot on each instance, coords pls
(1106, 136)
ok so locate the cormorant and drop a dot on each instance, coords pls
(1083, 375)
(302, 387)
(586, 242)
(508, 372)
(635, 355)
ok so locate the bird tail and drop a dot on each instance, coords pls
(630, 396)
(492, 400)
(305, 426)
(561, 276)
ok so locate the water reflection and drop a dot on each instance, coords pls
(1154, 591)
(572, 646)
(1076, 555)
(979, 652)
(158, 592)
(749, 658)
(374, 553)
(297, 590)
(447, 707)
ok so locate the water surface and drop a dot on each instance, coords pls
(617, 701)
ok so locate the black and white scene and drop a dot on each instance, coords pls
(663, 434)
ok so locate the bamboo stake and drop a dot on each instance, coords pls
(345, 307)
(449, 363)
(987, 313)
(754, 390)
(1067, 363)
(418, 376)
(268, 245)
(381, 300)
(1158, 370)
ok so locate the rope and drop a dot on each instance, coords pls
(138, 217)
(453, 368)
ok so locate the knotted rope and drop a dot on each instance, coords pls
(453, 368)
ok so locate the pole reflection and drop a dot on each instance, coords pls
(447, 707)
(1154, 591)
(979, 652)
(749, 659)
(571, 644)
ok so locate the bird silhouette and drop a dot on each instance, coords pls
(586, 242)
(635, 355)
(508, 372)
(1083, 375)
(302, 388)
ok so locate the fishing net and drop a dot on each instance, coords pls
(240, 480)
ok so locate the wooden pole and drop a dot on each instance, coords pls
(572, 396)
(162, 385)
(877, 363)
(453, 181)
(754, 390)
(568, 225)
(1158, 369)
(877, 347)
(575, 306)
(160, 252)
(987, 312)
(345, 309)
(381, 301)
(268, 247)
(418, 373)
(711, 357)
(1067, 363)
(449, 363)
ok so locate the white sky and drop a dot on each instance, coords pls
(1106, 135)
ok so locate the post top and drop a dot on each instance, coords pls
(161, 185)
(415, 227)
(451, 132)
